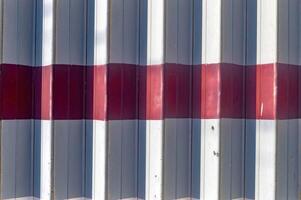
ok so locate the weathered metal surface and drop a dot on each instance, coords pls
(150, 99)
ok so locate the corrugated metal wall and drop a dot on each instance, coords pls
(150, 99)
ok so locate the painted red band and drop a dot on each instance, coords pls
(68, 92)
(287, 91)
(178, 91)
(96, 89)
(42, 86)
(123, 91)
(266, 91)
(16, 92)
(232, 91)
(210, 93)
(154, 92)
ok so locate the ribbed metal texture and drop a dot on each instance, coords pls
(150, 99)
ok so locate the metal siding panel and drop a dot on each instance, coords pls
(232, 159)
(68, 159)
(24, 158)
(8, 161)
(60, 162)
(114, 172)
(250, 158)
(177, 158)
(195, 158)
(122, 159)
(150, 99)
(17, 155)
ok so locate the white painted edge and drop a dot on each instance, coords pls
(210, 159)
(99, 160)
(211, 33)
(266, 31)
(154, 160)
(265, 174)
(47, 38)
(101, 32)
(155, 32)
(46, 138)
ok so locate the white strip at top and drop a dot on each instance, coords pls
(97, 32)
(155, 32)
(101, 32)
(211, 34)
(48, 32)
(266, 31)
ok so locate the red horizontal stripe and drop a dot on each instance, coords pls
(96, 88)
(288, 87)
(154, 92)
(134, 92)
(123, 91)
(266, 85)
(16, 92)
(223, 92)
(68, 92)
(42, 86)
(210, 91)
(177, 91)
(232, 91)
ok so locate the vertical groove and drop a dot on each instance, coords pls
(54, 26)
(1, 93)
